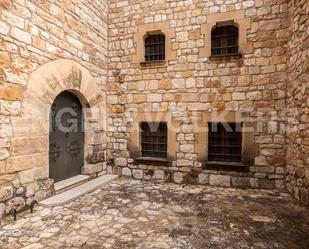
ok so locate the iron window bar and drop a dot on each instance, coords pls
(154, 141)
(224, 146)
(155, 48)
(224, 40)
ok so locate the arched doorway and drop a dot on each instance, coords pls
(66, 137)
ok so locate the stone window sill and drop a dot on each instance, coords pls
(152, 161)
(151, 64)
(225, 57)
(225, 166)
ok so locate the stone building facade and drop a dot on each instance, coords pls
(47, 48)
(95, 50)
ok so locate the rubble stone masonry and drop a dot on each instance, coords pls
(191, 89)
(46, 47)
(298, 102)
(95, 49)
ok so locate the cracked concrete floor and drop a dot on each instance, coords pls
(145, 215)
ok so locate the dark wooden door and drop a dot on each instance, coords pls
(66, 137)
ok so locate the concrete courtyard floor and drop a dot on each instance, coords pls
(134, 214)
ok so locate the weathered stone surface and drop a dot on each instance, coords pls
(5, 60)
(203, 179)
(20, 163)
(33, 175)
(11, 92)
(121, 162)
(297, 98)
(15, 203)
(178, 177)
(6, 3)
(21, 35)
(218, 180)
(126, 172)
(28, 146)
(159, 174)
(6, 192)
(138, 174)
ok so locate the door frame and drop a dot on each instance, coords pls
(32, 128)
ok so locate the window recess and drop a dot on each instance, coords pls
(153, 140)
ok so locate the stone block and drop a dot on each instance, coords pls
(187, 148)
(118, 109)
(254, 183)
(159, 174)
(184, 163)
(178, 83)
(34, 174)
(178, 177)
(203, 179)
(21, 35)
(220, 180)
(154, 97)
(182, 36)
(165, 84)
(241, 182)
(117, 170)
(121, 161)
(139, 98)
(11, 92)
(261, 161)
(266, 184)
(20, 163)
(29, 145)
(5, 59)
(6, 192)
(126, 172)
(90, 169)
(16, 203)
(4, 154)
(138, 174)
(39, 43)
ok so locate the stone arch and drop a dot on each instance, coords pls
(32, 128)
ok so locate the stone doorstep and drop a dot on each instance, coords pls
(70, 183)
(74, 193)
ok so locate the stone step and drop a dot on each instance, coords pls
(74, 193)
(70, 183)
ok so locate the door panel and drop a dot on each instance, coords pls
(66, 137)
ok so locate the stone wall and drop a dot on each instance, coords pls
(190, 84)
(34, 35)
(95, 49)
(298, 102)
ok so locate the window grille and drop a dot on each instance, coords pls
(225, 142)
(224, 40)
(155, 47)
(154, 140)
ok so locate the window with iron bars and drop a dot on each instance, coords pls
(154, 140)
(225, 142)
(155, 47)
(224, 40)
